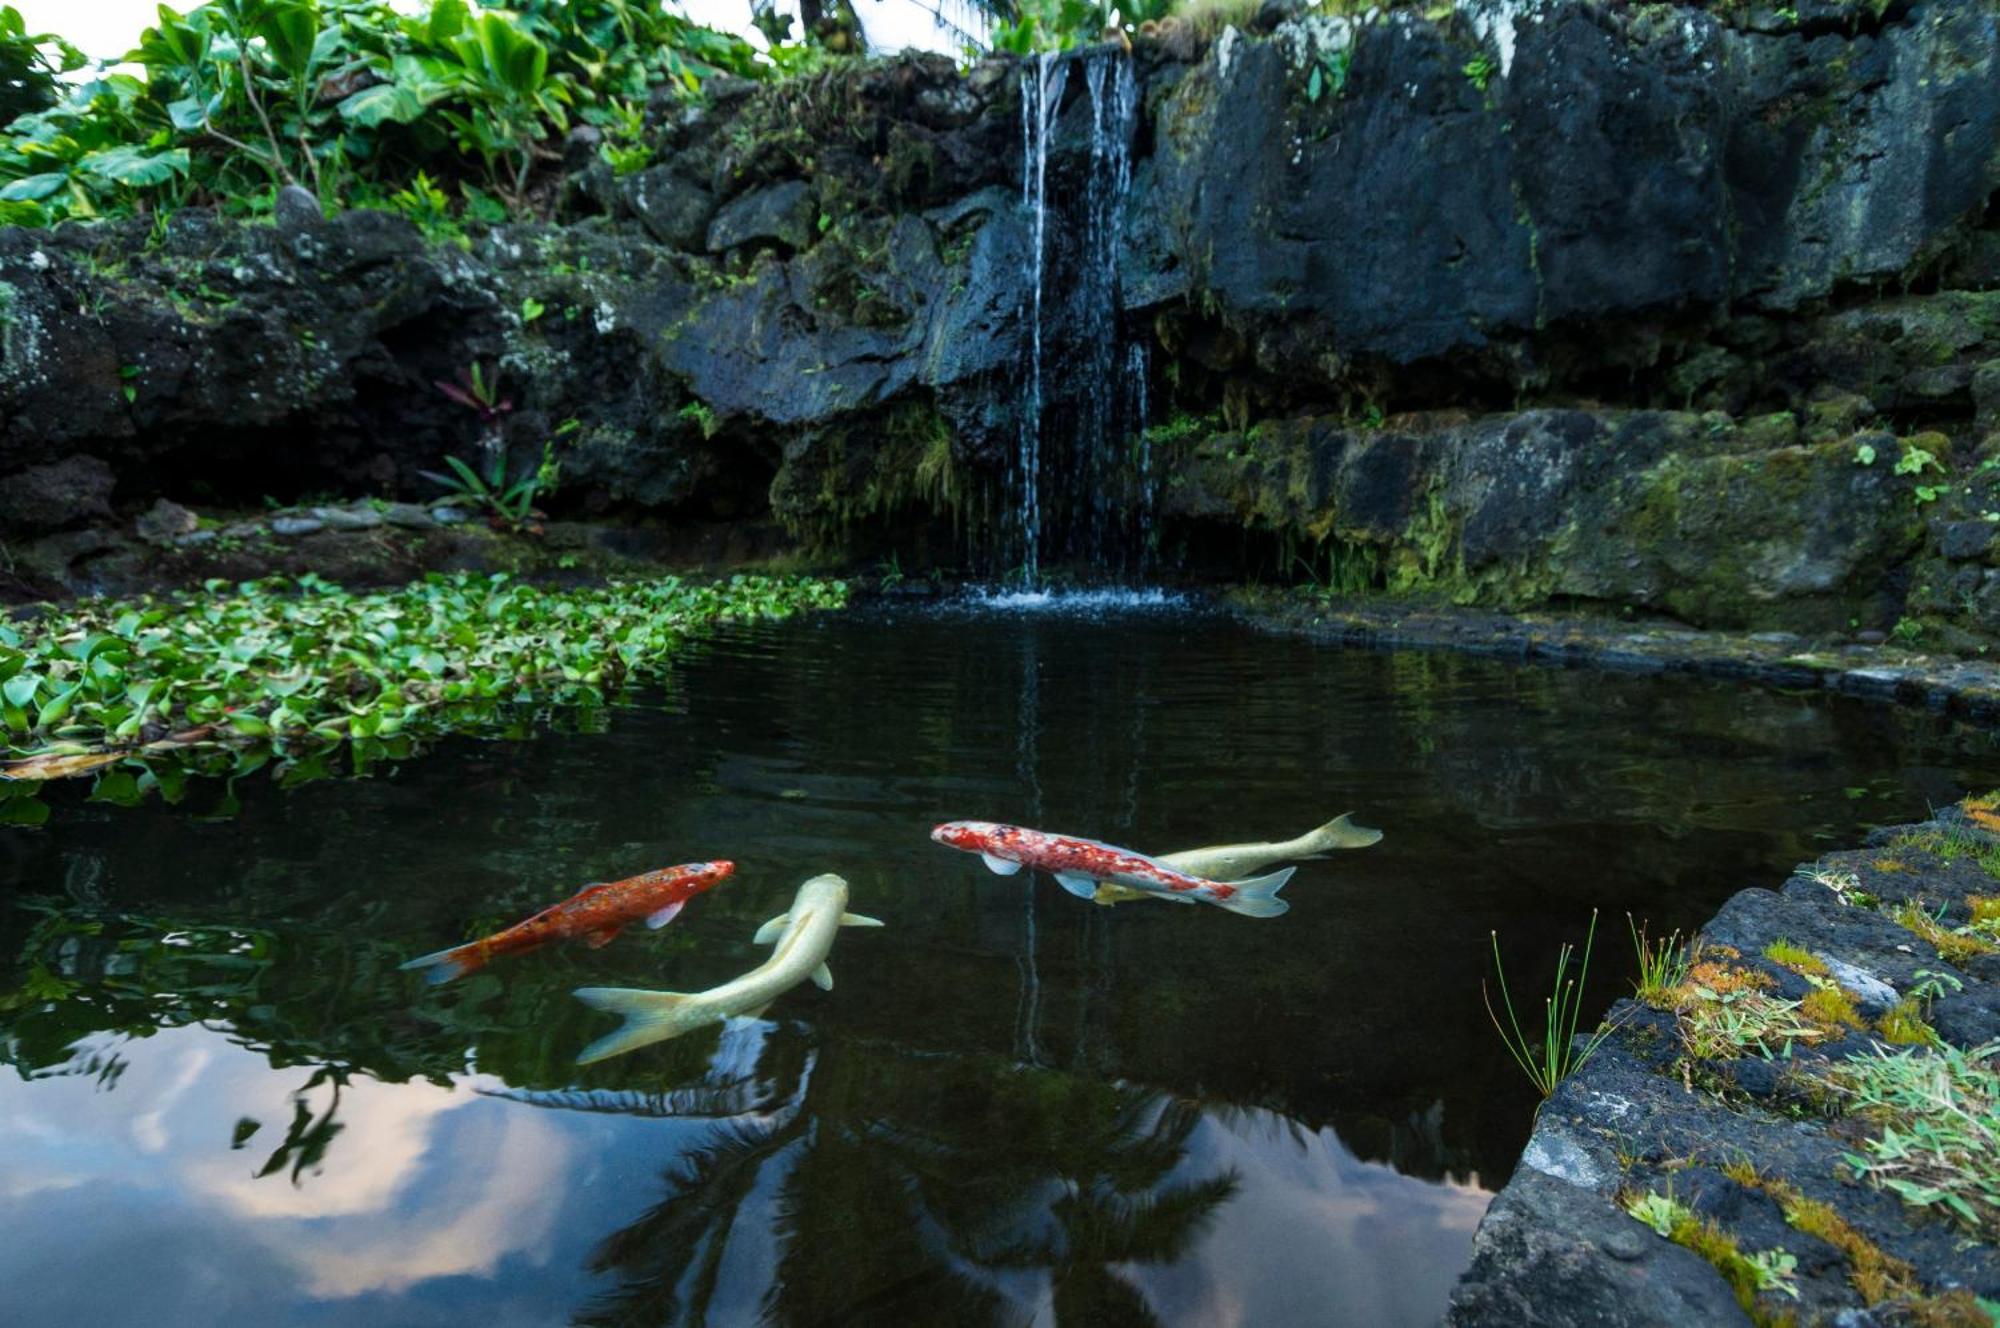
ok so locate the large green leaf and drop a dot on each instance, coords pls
(133, 165)
(30, 188)
(290, 29)
(383, 104)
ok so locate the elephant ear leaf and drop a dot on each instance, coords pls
(130, 164)
(290, 29)
(381, 104)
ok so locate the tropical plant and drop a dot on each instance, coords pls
(510, 504)
(478, 391)
(28, 71)
(350, 97)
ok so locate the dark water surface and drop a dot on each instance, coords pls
(228, 1107)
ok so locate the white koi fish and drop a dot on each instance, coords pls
(1230, 862)
(803, 934)
(1080, 866)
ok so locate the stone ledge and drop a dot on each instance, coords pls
(1950, 684)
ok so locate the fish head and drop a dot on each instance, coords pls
(708, 875)
(968, 836)
(823, 891)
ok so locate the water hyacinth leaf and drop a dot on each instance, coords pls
(23, 812)
(119, 787)
(20, 689)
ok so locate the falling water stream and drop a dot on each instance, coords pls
(1069, 469)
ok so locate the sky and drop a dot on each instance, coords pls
(106, 29)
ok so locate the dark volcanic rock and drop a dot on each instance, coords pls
(1752, 1142)
(1645, 160)
(1717, 524)
(1550, 1254)
(77, 488)
(782, 213)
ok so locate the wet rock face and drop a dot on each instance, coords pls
(1584, 163)
(1693, 515)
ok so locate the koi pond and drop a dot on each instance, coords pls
(227, 1105)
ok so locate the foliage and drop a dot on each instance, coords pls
(1555, 1056)
(28, 74)
(221, 681)
(1787, 954)
(1937, 1110)
(512, 504)
(1747, 1274)
(1663, 964)
(479, 392)
(348, 96)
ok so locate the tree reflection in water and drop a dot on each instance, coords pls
(912, 1189)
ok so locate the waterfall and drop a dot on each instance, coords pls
(1069, 467)
(1041, 101)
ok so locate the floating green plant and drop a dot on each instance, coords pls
(216, 679)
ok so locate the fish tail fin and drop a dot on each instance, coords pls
(1340, 832)
(650, 1016)
(444, 965)
(1258, 896)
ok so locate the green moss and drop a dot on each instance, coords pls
(1795, 957)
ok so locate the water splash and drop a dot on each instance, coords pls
(1099, 600)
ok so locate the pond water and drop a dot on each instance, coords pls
(227, 1106)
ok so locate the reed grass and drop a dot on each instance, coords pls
(1553, 1056)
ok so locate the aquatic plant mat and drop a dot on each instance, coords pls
(1799, 1115)
(140, 694)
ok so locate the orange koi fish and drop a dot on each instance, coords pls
(597, 913)
(1080, 866)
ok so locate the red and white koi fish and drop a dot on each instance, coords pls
(1080, 865)
(597, 913)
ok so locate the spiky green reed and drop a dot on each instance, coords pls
(1664, 964)
(1554, 1056)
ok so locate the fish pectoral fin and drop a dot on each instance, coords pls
(823, 978)
(999, 866)
(602, 937)
(660, 917)
(769, 933)
(860, 920)
(1083, 887)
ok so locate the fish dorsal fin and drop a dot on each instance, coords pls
(602, 937)
(823, 978)
(660, 917)
(1083, 887)
(769, 933)
(999, 866)
(860, 920)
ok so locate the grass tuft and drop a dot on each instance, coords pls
(1955, 946)
(1904, 1025)
(1554, 1056)
(1663, 964)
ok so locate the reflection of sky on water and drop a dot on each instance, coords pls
(443, 1205)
